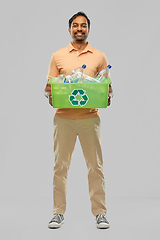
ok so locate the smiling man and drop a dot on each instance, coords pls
(72, 122)
(79, 30)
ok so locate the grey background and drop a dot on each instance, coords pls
(128, 32)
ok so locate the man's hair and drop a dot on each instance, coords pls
(76, 15)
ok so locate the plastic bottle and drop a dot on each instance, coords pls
(104, 73)
(60, 78)
(77, 74)
(88, 79)
(68, 79)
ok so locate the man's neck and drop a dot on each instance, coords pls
(80, 46)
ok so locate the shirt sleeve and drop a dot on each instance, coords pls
(53, 71)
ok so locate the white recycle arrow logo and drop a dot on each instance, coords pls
(74, 101)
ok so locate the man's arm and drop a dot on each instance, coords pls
(53, 71)
(110, 95)
(104, 64)
(47, 93)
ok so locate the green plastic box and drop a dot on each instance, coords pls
(80, 95)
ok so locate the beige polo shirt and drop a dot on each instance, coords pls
(64, 61)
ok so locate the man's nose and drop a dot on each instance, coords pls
(79, 28)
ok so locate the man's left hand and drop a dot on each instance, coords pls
(109, 101)
(110, 95)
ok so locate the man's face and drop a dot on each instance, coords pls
(79, 29)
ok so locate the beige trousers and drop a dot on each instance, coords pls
(65, 135)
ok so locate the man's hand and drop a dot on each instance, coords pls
(47, 93)
(109, 101)
(50, 100)
(110, 95)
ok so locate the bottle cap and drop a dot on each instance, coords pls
(109, 66)
(83, 66)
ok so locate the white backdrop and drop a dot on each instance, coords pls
(128, 32)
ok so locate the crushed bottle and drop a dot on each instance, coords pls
(58, 79)
(88, 79)
(78, 76)
(104, 73)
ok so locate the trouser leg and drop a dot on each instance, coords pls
(89, 136)
(64, 141)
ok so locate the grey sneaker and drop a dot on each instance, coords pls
(101, 221)
(56, 221)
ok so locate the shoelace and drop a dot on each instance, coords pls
(56, 217)
(101, 217)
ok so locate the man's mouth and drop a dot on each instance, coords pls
(79, 34)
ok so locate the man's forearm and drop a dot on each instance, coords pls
(47, 90)
(110, 91)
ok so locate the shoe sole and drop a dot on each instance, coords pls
(103, 226)
(55, 225)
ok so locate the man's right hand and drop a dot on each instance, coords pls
(50, 100)
(48, 94)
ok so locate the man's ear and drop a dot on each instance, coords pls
(69, 30)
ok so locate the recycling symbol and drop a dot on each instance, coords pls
(84, 98)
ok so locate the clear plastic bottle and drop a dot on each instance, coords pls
(88, 79)
(77, 74)
(60, 78)
(104, 73)
(68, 79)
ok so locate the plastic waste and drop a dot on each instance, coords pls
(68, 79)
(104, 73)
(59, 79)
(88, 79)
(77, 74)
(79, 70)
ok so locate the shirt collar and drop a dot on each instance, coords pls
(88, 48)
